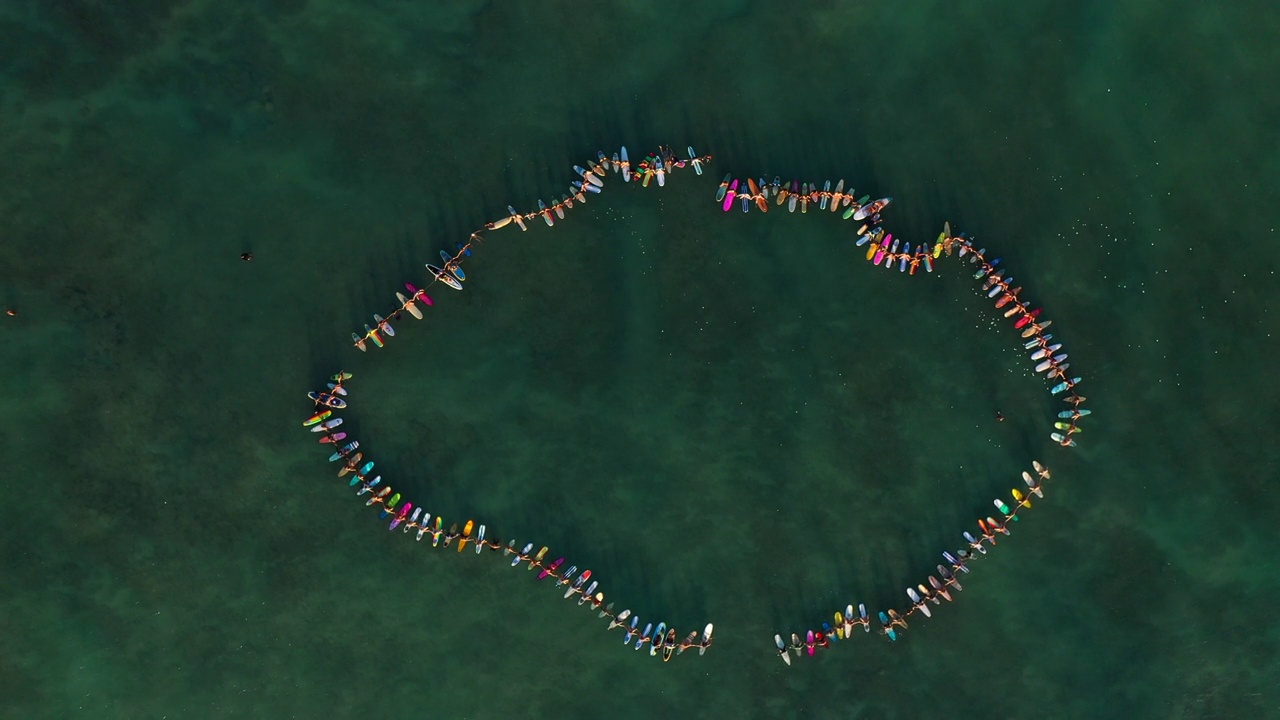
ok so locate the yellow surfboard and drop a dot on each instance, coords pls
(1022, 500)
(466, 533)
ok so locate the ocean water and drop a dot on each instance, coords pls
(729, 418)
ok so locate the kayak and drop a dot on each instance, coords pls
(550, 569)
(334, 438)
(517, 217)
(419, 294)
(444, 277)
(328, 400)
(728, 196)
(384, 326)
(319, 417)
(457, 271)
(724, 187)
(479, 539)
(869, 210)
(782, 649)
(409, 305)
(706, 638)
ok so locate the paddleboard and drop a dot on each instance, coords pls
(517, 217)
(728, 196)
(706, 638)
(626, 166)
(939, 587)
(457, 271)
(384, 326)
(328, 424)
(350, 465)
(318, 417)
(657, 639)
(724, 188)
(407, 304)
(419, 294)
(334, 438)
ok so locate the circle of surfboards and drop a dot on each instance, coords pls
(882, 250)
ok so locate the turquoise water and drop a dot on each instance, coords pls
(729, 418)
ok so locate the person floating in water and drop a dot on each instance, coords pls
(246, 256)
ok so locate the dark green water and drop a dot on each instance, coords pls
(729, 418)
